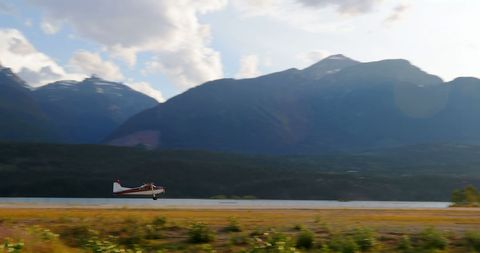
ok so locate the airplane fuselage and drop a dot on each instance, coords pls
(144, 190)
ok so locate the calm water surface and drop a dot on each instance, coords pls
(210, 203)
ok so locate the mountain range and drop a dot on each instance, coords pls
(65, 111)
(336, 105)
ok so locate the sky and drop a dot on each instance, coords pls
(164, 47)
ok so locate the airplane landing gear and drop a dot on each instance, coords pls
(154, 196)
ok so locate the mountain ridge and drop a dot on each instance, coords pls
(65, 111)
(362, 105)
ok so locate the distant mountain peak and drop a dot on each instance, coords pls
(8, 73)
(330, 65)
(338, 57)
(94, 78)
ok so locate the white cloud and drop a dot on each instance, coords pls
(38, 69)
(49, 27)
(35, 67)
(248, 67)
(350, 7)
(170, 29)
(397, 14)
(146, 88)
(310, 15)
(128, 55)
(88, 63)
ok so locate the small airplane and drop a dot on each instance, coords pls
(144, 190)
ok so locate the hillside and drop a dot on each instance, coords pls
(335, 105)
(424, 172)
(65, 111)
(21, 118)
(88, 111)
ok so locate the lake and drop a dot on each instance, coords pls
(210, 203)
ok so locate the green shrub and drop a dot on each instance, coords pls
(405, 245)
(343, 244)
(473, 240)
(11, 246)
(272, 242)
(159, 221)
(305, 239)
(43, 233)
(97, 245)
(469, 196)
(199, 233)
(76, 236)
(365, 238)
(325, 249)
(132, 233)
(430, 240)
(153, 232)
(233, 226)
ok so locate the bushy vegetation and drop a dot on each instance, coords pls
(428, 241)
(360, 239)
(472, 239)
(466, 197)
(272, 242)
(95, 235)
(305, 239)
(200, 233)
(11, 246)
(431, 240)
(405, 245)
(233, 225)
(365, 238)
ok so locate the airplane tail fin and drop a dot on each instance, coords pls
(117, 187)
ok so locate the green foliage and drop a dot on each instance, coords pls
(272, 242)
(76, 236)
(97, 245)
(472, 239)
(405, 245)
(233, 225)
(43, 233)
(132, 233)
(152, 232)
(365, 238)
(343, 244)
(469, 196)
(431, 240)
(359, 240)
(155, 229)
(200, 233)
(305, 239)
(11, 246)
(159, 221)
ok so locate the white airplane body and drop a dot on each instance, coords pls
(145, 190)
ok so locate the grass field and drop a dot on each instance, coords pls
(182, 230)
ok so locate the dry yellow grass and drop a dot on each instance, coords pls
(388, 223)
